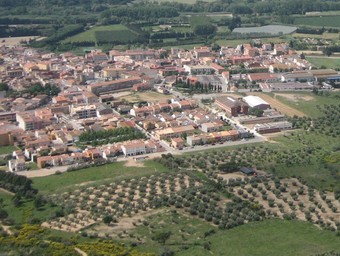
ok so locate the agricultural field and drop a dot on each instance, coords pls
(321, 21)
(104, 33)
(328, 62)
(306, 102)
(280, 106)
(192, 236)
(325, 35)
(99, 174)
(269, 29)
(144, 211)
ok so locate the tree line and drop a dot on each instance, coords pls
(20, 185)
(117, 134)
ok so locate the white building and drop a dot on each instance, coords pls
(85, 111)
(134, 148)
(16, 165)
(256, 102)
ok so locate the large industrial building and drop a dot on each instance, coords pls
(256, 102)
(232, 106)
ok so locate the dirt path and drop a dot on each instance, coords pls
(7, 192)
(283, 108)
(80, 252)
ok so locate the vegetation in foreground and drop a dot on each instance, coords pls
(191, 236)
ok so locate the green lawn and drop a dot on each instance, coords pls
(104, 33)
(7, 149)
(328, 62)
(269, 237)
(101, 174)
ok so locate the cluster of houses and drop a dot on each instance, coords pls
(47, 127)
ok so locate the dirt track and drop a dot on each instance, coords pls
(283, 108)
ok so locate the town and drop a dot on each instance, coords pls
(67, 110)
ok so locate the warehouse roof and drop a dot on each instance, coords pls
(254, 101)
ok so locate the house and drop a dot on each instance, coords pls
(177, 143)
(6, 138)
(84, 111)
(17, 165)
(247, 170)
(133, 148)
(174, 132)
(28, 122)
(92, 153)
(263, 77)
(211, 127)
(199, 69)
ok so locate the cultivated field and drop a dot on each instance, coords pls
(305, 102)
(100, 174)
(331, 36)
(104, 33)
(327, 21)
(283, 108)
(328, 62)
(269, 29)
(16, 40)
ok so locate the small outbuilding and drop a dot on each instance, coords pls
(247, 171)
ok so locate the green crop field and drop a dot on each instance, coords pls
(104, 33)
(102, 174)
(328, 62)
(327, 21)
